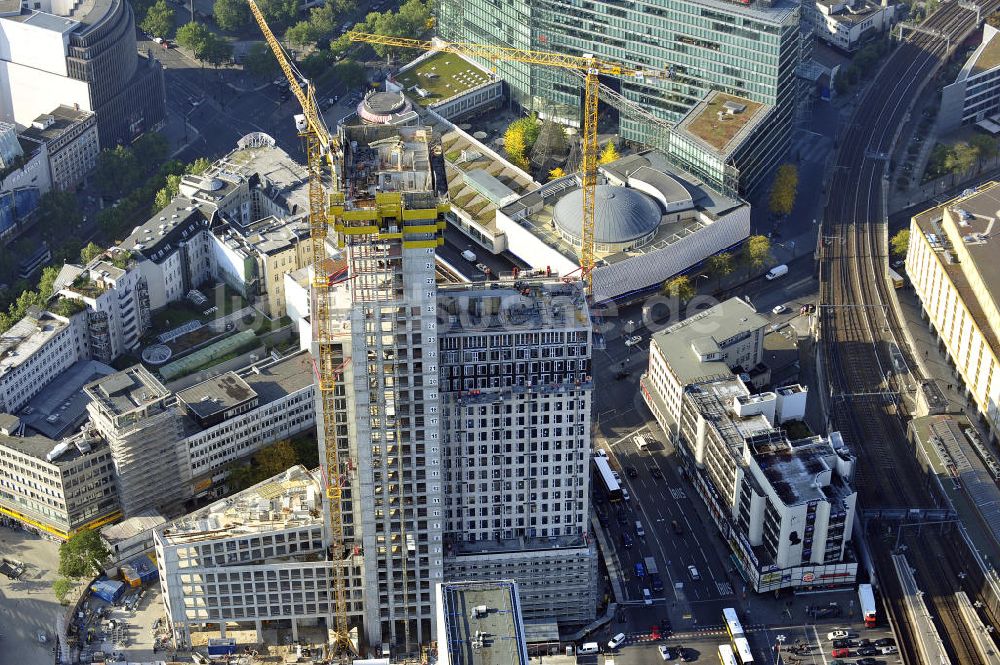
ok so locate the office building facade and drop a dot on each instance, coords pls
(748, 50)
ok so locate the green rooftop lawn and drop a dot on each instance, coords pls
(718, 133)
(439, 75)
(989, 58)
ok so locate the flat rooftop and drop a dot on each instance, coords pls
(528, 303)
(39, 447)
(63, 118)
(287, 500)
(26, 337)
(801, 471)
(706, 332)
(714, 398)
(132, 527)
(127, 390)
(712, 122)
(61, 406)
(217, 394)
(471, 609)
(987, 56)
(440, 75)
(286, 181)
(51, 22)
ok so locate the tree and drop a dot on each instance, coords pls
(90, 252)
(57, 216)
(259, 61)
(900, 242)
(609, 154)
(197, 167)
(82, 555)
(302, 34)
(279, 13)
(116, 171)
(786, 181)
(556, 173)
(150, 150)
(265, 463)
(679, 287)
(232, 15)
(515, 145)
(216, 50)
(159, 20)
(351, 72)
(193, 36)
(62, 588)
(720, 265)
(961, 158)
(167, 192)
(756, 252)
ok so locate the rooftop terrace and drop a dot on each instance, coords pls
(482, 623)
(440, 75)
(721, 118)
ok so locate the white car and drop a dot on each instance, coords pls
(617, 477)
(633, 340)
(647, 597)
(665, 652)
(616, 641)
(626, 495)
(779, 309)
(885, 651)
(837, 635)
(693, 572)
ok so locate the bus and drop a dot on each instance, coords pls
(726, 656)
(741, 647)
(733, 625)
(607, 479)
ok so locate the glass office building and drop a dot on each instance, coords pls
(747, 50)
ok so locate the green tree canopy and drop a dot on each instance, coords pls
(279, 13)
(351, 72)
(232, 15)
(609, 154)
(62, 588)
(193, 36)
(90, 252)
(259, 61)
(720, 264)
(82, 555)
(265, 463)
(679, 287)
(159, 21)
(783, 189)
(57, 217)
(756, 252)
(303, 34)
(150, 150)
(410, 21)
(198, 166)
(986, 145)
(216, 50)
(961, 158)
(900, 242)
(117, 171)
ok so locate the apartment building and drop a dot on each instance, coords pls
(974, 96)
(256, 556)
(116, 297)
(951, 263)
(36, 350)
(70, 135)
(232, 416)
(847, 24)
(133, 412)
(785, 505)
(55, 488)
(516, 394)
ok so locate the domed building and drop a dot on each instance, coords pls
(384, 108)
(624, 219)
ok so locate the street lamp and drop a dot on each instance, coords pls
(194, 105)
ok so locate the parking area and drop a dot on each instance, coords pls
(28, 605)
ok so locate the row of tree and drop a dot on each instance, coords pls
(960, 157)
(783, 189)
(205, 44)
(863, 65)
(754, 255)
(273, 460)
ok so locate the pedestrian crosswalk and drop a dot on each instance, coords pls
(677, 493)
(725, 588)
(811, 147)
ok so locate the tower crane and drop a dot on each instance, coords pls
(588, 65)
(322, 153)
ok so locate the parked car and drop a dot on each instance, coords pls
(840, 653)
(655, 472)
(677, 528)
(626, 539)
(885, 642)
(864, 642)
(866, 661)
(841, 644)
(616, 641)
(867, 651)
(885, 651)
(778, 309)
(837, 635)
(665, 652)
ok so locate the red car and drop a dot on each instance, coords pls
(654, 632)
(840, 653)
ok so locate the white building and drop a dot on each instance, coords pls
(952, 263)
(70, 137)
(650, 224)
(480, 622)
(35, 351)
(232, 416)
(131, 537)
(785, 506)
(256, 556)
(55, 487)
(847, 24)
(974, 96)
(516, 396)
(116, 296)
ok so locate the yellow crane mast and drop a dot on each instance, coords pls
(588, 65)
(329, 361)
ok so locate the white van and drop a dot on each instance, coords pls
(776, 272)
(588, 648)
(469, 255)
(641, 442)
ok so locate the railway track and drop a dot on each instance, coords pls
(858, 323)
